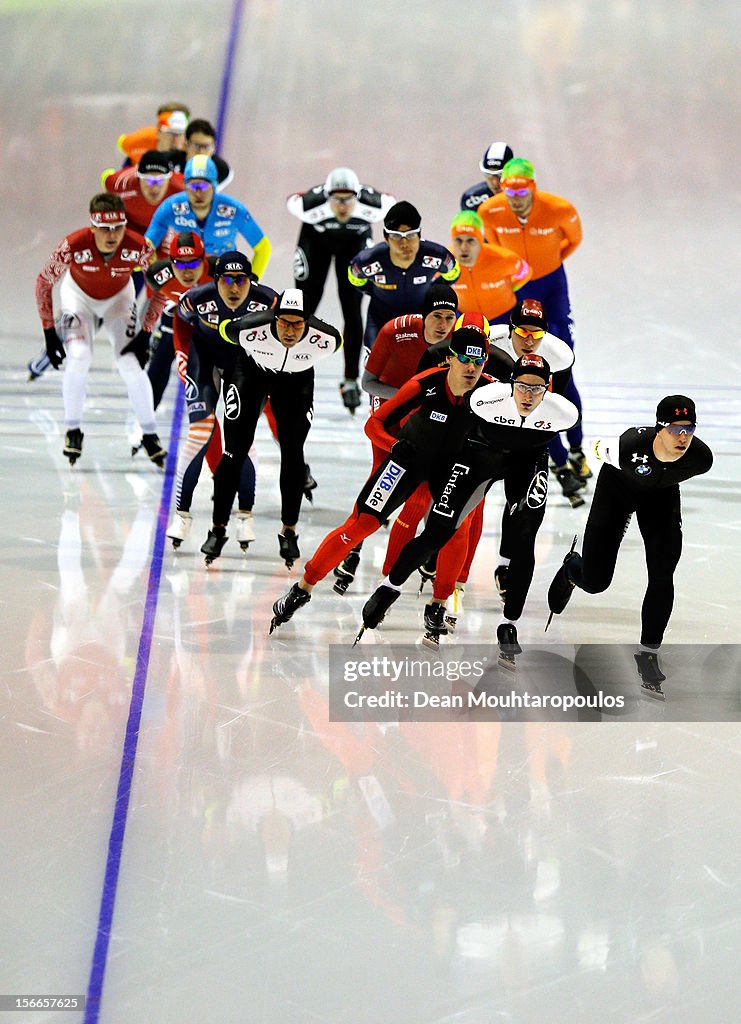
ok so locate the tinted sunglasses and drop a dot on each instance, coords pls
(476, 360)
(198, 186)
(516, 191)
(530, 332)
(531, 389)
(186, 264)
(677, 429)
(238, 279)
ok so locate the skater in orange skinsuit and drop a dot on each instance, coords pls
(490, 274)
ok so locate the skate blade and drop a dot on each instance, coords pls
(176, 542)
(360, 633)
(341, 586)
(550, 619)
(274, 623)
(244, 545)
(308, 495)
(647, 691)
(451, 623)
(575, 501)
(431, 641)
(507, 662)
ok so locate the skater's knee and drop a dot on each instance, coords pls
(79, 353)
(595, 583)
(128, 367)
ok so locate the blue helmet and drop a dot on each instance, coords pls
(201, 166)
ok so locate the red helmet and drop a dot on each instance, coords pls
(187, 246)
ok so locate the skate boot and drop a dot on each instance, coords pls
(345, 571)
(435, 625)
(214, 543)
(454, 608)
(286, 606)
(179, 528)
(508, 646)
(350, 394)
(561, 588)
(579, 466)
(288, 547)
(570, 486)
(647, 664)
(38, 366)
(245, 530)
(500, 581)
(73, 445)
(427, 572)
(309, 484)
(375, 608)
(151, 445)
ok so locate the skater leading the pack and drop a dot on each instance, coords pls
(641, 473)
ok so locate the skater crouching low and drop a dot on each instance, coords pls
(641, 473)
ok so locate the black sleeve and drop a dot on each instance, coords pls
(561, 381)
(499, 365)
(436, 355)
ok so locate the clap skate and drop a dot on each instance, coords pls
(578, 464)
(561, 588)
(427, 572)
(153, 447)
(508, 646)
(454, 608)
(285, 607)
(309, 484)
(651, 675)
(435, 625)
(570, 485)
(245, 530)
(214, 543)
(375, 608)
(345, 571)
(288, 547)
(179, 528)
(500, 581)
(73, 445)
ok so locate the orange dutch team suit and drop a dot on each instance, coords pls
(489, 286)
(545, 237)
(551, 232)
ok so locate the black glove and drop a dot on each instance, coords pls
(139, 346)
(404, 453)
(54, 347)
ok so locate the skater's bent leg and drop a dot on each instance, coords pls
(405, 525)
(337, 544)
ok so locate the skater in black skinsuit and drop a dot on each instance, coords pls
(336, 224)
(642, 471)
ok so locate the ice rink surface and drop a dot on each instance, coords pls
(276, 867)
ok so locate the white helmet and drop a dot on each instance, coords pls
(342, 179)
(495, 157)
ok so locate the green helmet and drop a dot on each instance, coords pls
(518, 168)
